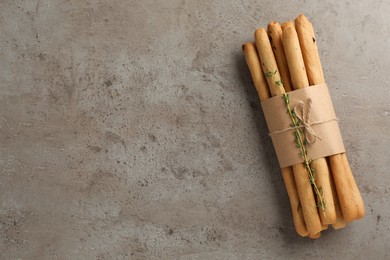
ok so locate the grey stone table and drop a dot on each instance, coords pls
(132, 130)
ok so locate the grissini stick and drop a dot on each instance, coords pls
(340, 222)
(270, 69)
(268, 62)
(299, 80)
(275, 34)
(322, 173)
(349, 196)
(260, 82)
(309, 49)
(315, 76)
(355, 190)
(348, 193)
(320, 166)
(254, 66)
(296, 208)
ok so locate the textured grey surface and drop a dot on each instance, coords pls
(131, 130)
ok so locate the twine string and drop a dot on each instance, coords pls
(299, 110)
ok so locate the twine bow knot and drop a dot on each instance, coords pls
(299, 111)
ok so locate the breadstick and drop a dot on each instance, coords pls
(253, 63)
(262, 41)
(340, 222)
(299, 80)
(351, 202)
(287, 24)
(315, 236)
(268, 62)
(322, 180)
(320, 166)
(275, 34)
(309, 49)
(296, 207)
(294, 58)
(259, 80)
(355, 208)
(354, 188)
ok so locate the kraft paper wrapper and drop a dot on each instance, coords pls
(275, 112)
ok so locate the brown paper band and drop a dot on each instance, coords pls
(314, 105)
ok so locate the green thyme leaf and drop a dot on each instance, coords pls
(279, 83)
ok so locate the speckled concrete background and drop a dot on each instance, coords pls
(131, 130)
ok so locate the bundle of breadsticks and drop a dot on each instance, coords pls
(286, 70)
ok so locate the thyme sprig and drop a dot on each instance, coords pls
(270, 73)
(301, 143)
(278, 82)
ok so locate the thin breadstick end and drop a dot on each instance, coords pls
(299, 80)
(253, 62)
(307, 199)
(350, 199)
(272, 24)
(343, 182)
(340, 223)
(314, 74)
(309, 48)
(315, 236)
(275, 23)
(268, 62)
(287, 24)
(328, 215)
(294, 58)
(298, 219)
(355, 190)
(275, 35)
